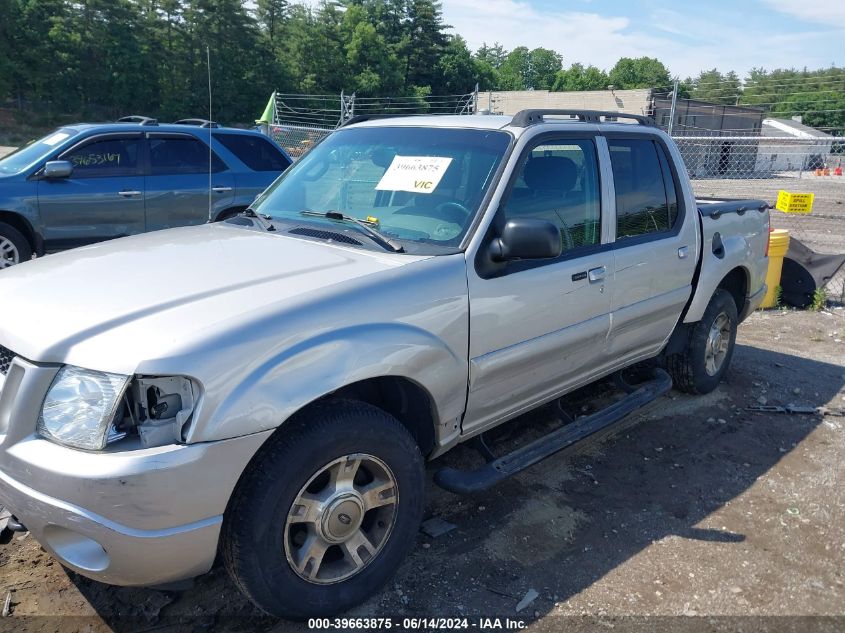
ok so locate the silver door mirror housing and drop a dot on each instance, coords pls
(526, 238)
(57, 169)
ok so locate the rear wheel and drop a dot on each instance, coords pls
(705, 359)
(14, 248)
(326, 512)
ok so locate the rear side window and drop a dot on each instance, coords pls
(105, 157)
(181, 155)
(255, 152)
(646, 200)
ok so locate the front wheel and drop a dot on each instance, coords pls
(710, 346)
(14, 248)
(326, 512)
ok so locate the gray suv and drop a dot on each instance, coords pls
(92, 182)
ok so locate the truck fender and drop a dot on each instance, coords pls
(735, 253)
(318, 366)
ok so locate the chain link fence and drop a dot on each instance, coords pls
(760, 167)
(299, 120)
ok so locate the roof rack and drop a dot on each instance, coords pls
(197, 122)
(137, 118)
(360, 118)
(525, 118)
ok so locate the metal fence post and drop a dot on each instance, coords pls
(672, 109)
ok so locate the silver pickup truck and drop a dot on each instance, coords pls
(269, 388)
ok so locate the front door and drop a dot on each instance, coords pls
(539, 327)
(102, 199)
(179, 191)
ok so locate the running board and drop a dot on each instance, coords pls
(495, 471)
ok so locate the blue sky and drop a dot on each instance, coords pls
(686, 36)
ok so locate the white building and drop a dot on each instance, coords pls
(789, 145)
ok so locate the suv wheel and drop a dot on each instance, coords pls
(326, 512)
(705, 360)
(14, 248)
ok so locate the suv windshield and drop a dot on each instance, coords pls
(421, 186)
(19, 160)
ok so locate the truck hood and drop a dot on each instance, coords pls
(114, 305)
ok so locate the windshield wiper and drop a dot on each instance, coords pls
(379, 238)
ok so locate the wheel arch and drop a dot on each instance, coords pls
(19, 222)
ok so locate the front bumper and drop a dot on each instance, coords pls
(124, 517)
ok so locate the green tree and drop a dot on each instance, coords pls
(456, 67)
(577, 77)
(515, 71)
(641, 72)
(714, 87)
(494, 55)
(543, 64)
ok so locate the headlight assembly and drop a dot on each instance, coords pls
(80, 407)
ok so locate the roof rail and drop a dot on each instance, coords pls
(137, 118)
(525, 118)
(360, 118)
(197, 122)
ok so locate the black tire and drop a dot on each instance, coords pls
(18, 241)
(253, 541)
(688, 368)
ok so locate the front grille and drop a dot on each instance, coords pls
(6, 356)
(325, 235)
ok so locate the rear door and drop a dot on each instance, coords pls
(178, 183)
(655, 246)
(263, 162)
(102, 199)
(538, 327)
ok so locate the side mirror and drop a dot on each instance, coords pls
(526, 238)
(57, 169)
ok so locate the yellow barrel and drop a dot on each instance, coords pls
(778, 245)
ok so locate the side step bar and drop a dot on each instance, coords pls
(495, 471)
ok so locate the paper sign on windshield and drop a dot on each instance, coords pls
(58, 137)
(417, 174)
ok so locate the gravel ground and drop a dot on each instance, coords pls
(693, 507)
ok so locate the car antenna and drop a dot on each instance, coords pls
(208, 63)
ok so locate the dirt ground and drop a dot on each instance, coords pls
(693, 507)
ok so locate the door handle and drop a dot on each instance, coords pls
(597, 274)
(221, 189)
(683, 252)
(129, 194)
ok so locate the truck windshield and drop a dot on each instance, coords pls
(419, 186)
(31, 153)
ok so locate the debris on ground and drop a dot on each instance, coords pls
(436, 526)
(529, 597)
(5, 515)
(7, 604)
(792, 409)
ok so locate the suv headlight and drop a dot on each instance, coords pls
(80, 407)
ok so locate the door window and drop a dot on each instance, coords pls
(105, 157)
(559, 182)
(255, 152)
(646, 199)
(181, 155)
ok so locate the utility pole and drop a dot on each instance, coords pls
(672, 109)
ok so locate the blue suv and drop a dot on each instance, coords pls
(87, 183)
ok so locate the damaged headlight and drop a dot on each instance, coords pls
(92, 409)
(80, 407)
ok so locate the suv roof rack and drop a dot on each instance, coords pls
(137, 118)
(360, 118)
(197, 122)
(525, 118)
